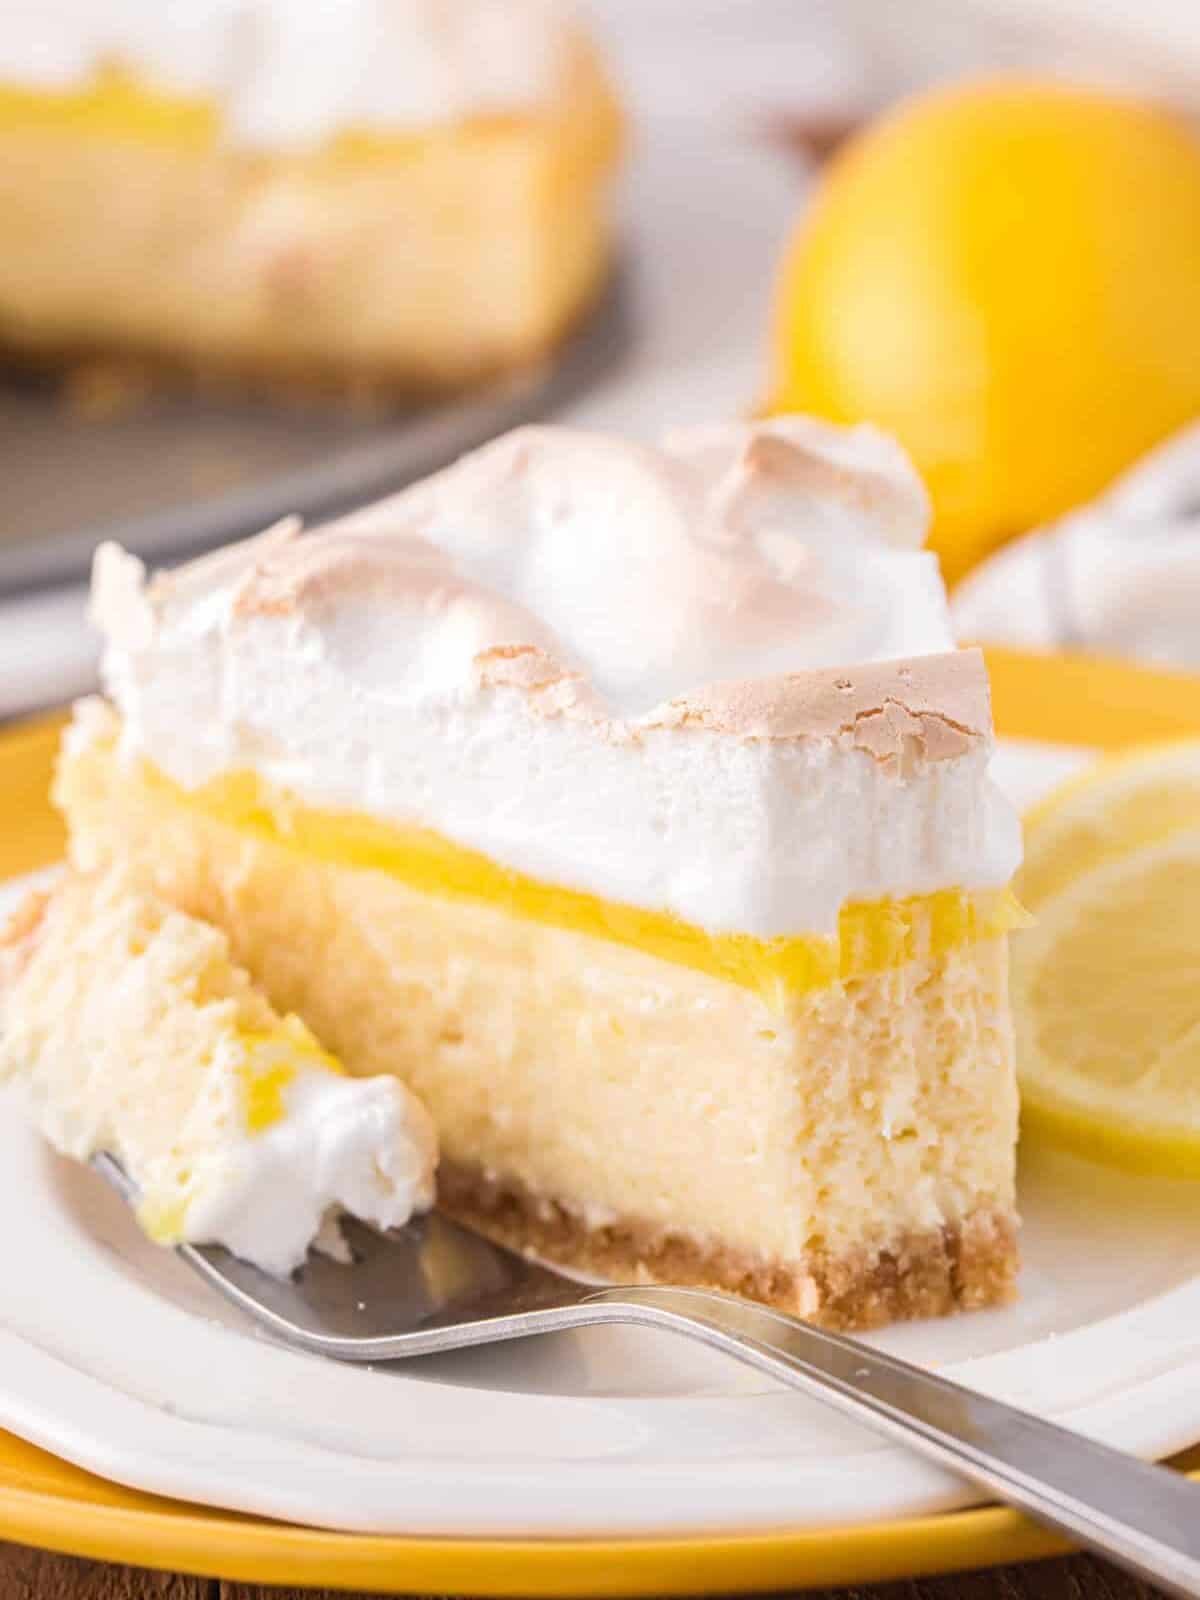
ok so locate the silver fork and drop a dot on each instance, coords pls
(435, 1286)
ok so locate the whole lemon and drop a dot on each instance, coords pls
(1006, 276)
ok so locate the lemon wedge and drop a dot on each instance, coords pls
(1129, 800)
(1106, 985)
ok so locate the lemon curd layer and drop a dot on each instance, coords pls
(112, 104)
(115, 104)
(872, 936)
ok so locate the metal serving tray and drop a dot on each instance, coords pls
(179, 473)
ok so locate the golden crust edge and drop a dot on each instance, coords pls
(960, 1266)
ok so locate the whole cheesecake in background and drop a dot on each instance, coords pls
(631, 803)
(375, 194)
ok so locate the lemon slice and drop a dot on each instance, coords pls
(1117, 806)
(1106, 997)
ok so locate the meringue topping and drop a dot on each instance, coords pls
(714, 677)
(291, 73)
(743, 552)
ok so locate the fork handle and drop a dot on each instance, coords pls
(1143, 1517)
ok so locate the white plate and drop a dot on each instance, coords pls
(114, 1357)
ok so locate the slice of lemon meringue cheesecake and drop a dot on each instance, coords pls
(631, 803)
(395, 194)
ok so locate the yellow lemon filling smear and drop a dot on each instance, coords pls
(872, 936)
(272, 1062)
(112, 103)
(273, 1058)
(164, 1220)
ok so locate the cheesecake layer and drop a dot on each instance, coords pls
(375, 258)
(815, 1142)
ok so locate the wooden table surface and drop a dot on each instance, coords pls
(32, 1575)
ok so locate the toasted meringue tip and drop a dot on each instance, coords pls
(613, 581)
(118, 605)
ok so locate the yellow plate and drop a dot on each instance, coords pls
(44, 1501)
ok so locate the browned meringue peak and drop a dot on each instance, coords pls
(927, 708)
(285, 572)
(758, 472)
(786, 464)
(930, 708)
(716, 581)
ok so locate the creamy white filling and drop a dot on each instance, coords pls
(290, 73)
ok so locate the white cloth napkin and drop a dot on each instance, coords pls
(1119, 577)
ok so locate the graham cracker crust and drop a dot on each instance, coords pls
(959, 1267)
